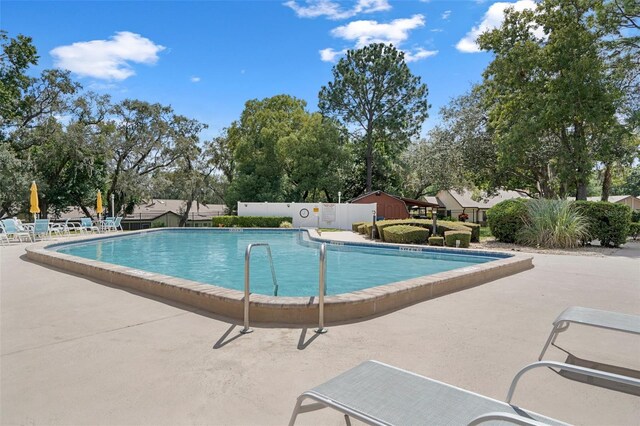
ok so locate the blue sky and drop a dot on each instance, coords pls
(207, 58)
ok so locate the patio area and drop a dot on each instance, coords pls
(75, 351)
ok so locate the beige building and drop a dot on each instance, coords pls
(454, 203)
(629, 200)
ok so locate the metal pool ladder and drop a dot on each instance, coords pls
(247, 292)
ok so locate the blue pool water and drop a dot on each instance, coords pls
(217, 257)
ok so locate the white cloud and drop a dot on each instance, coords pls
(436, 30)
(330, 55)
(107, 59)
(418, 54)
(363, 33)
(333, 10)
(195, 79)
(367, 32)
(493, 18)
(445, 15)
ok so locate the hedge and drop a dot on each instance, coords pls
(450, 238)
(507, 218)
(436, 241)
(608, 222)
(362, 229)
(634, 230)
(475, 230)
(368, 227)
(441, 225)
(249, 221)
(354, 226)
(405, 234)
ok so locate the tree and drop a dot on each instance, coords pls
(281, 153)
(375, 95)
(142, 138)
(552, 90)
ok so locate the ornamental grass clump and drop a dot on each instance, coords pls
(553, 224)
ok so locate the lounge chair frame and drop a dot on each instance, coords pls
(325, 397)
(594, 318)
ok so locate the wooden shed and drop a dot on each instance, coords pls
(390, 206)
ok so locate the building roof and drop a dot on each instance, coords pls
(149, 210)
(157, 207)
(466, 198)
(407, 201)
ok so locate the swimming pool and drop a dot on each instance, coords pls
(217, 257)
(360, 275)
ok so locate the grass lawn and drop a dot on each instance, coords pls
(485, 232)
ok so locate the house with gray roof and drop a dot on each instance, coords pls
(472, 203)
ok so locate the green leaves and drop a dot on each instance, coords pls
(376, 97)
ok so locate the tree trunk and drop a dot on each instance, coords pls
(185, 216)
(606, 183)
(581, 191)
(369, 158)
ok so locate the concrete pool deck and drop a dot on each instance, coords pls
(75, 351)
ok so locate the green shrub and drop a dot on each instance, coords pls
(405, 234)
(436, 241)
(450, 238)
(635, 216)
(475, 230)
(354, 226)
(362, 229)
(285, 224)
(608, 222)
(367, 228)
(157, 224)
(442, 226)
(249, 221)
(506, 219)
(553, 224)
(634, 230)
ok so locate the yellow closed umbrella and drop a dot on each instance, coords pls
(99, 208)
(33, 200)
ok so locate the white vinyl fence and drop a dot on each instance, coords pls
(312, 215)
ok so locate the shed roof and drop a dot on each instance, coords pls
(407, 201)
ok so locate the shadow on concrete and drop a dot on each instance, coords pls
(222, 340)
(302, 345)
(602, 383)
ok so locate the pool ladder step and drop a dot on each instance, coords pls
(322, 290)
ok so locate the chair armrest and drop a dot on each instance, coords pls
(575, 369)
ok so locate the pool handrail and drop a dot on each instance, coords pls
(322, 288)
(247, 285)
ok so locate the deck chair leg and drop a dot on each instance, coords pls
(347, 420)
(557, 329)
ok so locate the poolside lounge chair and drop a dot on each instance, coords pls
(112, 224)
(3, 235)
(87, 226)
(68, 226)
(380, 394)
(13, 232)
(40, 229)
(592, 317)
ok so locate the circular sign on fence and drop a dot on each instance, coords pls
(304, 213)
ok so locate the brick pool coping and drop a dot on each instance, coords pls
(288, 311)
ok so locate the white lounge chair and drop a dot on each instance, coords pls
(40, 229)
(13, 232)
(592, 317)
(380, 394)
(87, 226)
(4, 238)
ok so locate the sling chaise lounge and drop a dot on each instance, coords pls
(379, 394)
(594, 318)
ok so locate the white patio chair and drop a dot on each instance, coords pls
(380, 394)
